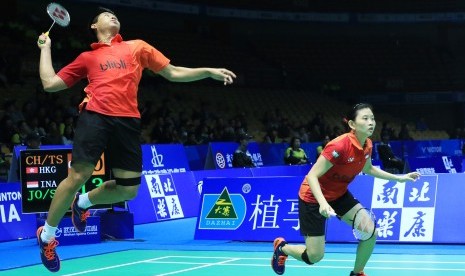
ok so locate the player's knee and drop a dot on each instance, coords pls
(312, 257)
(78, 179)
(128, 187)
(128, 192)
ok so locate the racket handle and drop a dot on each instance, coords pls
(43, 41)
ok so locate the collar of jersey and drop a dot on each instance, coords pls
(116, 39)
(354, 140)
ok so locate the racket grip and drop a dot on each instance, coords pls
(43, 41)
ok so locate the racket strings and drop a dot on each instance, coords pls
(364, 225)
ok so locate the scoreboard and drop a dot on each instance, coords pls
(42, 171)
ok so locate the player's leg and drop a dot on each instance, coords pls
(91, 139)
(89, 143)
(311, 253)
(124, 156)
(66, 190)
(312, 226)
(123, 187)
(364, 248)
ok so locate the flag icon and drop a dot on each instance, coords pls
(32, 170)
(32, 184)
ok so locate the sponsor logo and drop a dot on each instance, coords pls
(111, 64)
(223, 211)
(220, 161)
(157, 159)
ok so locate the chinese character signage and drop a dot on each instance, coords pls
(405, 211)
(249, 208)
(262, 208)
(165, 197)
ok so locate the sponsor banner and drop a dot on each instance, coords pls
(405, 212)
(436, 164)
(259, 209)
(220, 155)
(164, 159)
(251, 209)
(199, 176)
(431, 148)
(66, 234)
(165, 197)
(13, 223)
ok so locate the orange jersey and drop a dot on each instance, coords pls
(348, 158)
(114, 72)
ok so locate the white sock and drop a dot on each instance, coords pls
(84, 201)
(48, 233)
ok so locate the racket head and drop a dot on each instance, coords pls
(58, 14)
(364, 224)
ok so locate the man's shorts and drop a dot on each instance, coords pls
(118, 137)
(312, 223)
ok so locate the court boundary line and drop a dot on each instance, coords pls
(199, 267)
(323, 260)
(115, 266)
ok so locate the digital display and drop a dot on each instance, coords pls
(43, 170)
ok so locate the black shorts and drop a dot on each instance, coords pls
(312, 223)
(117, 137)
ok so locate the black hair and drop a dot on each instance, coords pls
(291, 143)
(354, 111)
(99, 11)
(95, 15)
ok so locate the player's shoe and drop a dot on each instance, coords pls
(278, 261)
(78, 215)
(48, 254)
(357, 274)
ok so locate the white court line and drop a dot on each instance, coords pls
(317, 266)
(230, 259)
(326, 260)
(198, 267)
(115, 266)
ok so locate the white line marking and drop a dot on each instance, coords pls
(224, 263)
(116, 266)
(199, 267)
(326, 260)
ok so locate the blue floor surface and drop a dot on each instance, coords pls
(179, 235)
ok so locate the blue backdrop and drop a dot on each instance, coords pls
(262, 208)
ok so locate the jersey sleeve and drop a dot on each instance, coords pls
(73, 72)
(334, 152)
(150, 57)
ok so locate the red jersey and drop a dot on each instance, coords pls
(348, 158)
(113, 72)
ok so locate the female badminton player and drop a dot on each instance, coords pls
(324, 192)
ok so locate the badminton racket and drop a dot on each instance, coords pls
(363, 224)
(59, 15)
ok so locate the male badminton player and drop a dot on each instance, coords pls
(324, 191)
(109, 120)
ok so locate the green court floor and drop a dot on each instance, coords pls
(234, 263)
